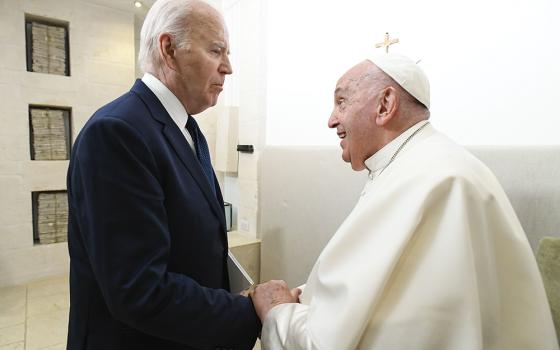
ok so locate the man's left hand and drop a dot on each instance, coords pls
(267, 295)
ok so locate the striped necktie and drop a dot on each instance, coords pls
(202, 152)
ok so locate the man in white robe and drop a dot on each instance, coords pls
(432, 256)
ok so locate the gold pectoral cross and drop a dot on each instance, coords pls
(387, 42)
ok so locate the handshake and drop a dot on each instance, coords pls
(267, 295)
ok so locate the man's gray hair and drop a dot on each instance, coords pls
(165, 16)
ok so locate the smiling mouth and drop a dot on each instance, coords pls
(342, 135)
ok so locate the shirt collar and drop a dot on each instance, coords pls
(377, 162)
(169, 101)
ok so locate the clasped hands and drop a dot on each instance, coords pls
(267, 295)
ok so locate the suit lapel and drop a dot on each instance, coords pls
(181, 146)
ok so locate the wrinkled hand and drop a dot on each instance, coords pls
(246, 292)
(267, 295)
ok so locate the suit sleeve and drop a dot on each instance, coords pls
(120, 207)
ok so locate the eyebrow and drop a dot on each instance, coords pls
(221, 45)
(339, 90)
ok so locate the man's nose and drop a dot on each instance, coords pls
(225, 67)
(333, 120)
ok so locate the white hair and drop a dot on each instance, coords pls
(165, 16)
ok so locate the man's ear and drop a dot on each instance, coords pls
(386, 106)
(167, 51)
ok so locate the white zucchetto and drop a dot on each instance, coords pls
(406, 73)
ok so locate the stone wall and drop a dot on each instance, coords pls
(102, 67)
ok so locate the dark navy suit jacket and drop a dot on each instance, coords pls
(147, 238)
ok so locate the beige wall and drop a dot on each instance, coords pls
(102, 67)
(246, 21)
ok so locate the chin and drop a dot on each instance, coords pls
(206, 106)
(212, 103)
(357, 166)
(214, 97)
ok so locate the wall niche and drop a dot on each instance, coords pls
(50, 132)
(50, 217)
(47, 45)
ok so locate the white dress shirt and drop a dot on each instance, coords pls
(171, 104)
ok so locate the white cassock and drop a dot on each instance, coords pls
(432, 257)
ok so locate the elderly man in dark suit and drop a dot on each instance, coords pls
(147, 237)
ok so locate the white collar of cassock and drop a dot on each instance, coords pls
(171, 104)
(377, 162)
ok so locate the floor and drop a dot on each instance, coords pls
(35, 316)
